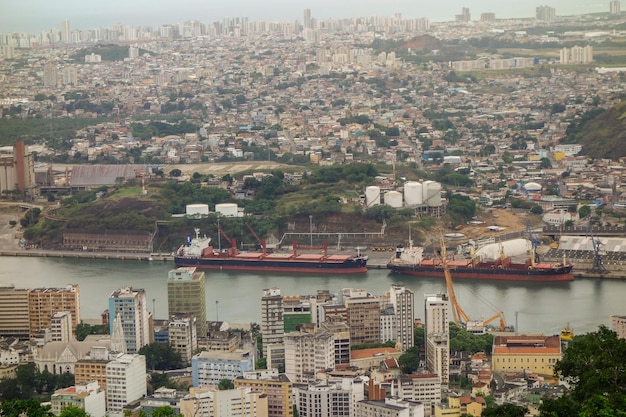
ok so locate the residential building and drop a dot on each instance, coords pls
(125, 382)
(182, 336)
(402, 300)
(93, 367)
(363, 311)
(186, 294)
(334, 399)
(576, 55)
(61, 327)
(131, 307)
(545, 13)
(272, 326)
(208, 368)
(14, 318)
(50, 75)
(526, 353)
(421, 388)
(307, 352)
(162, 397)
(614, 7)
(211, 402)
(390, 407)
(437, 330)
(457, 406)
(277, 387)
(341, 337)
(89, 397)
(43, 303)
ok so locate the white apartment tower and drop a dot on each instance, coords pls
(125, 382)
(438, 336)
(50, 75)
(183, 336)
(66, 33)
(307, 353)
(61, 326)
(402, 300)
(614, 7)
(577, 55)
(272, 322)
(545, 13)
(335, 399)
(131, 307)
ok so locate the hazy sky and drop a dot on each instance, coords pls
(41, 15)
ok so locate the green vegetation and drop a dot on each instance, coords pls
(19, 408)
(161, 356)
(292, 320)
(83, 330)
(149, 129)
(389, 343)
(461, 208)
(53, 130)
(463, 341)
(107, 52)
(225, 384)
(30, 383)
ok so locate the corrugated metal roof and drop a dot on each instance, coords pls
(97, 175)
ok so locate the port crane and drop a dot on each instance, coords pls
(232, 242)
(597, 267)
(262, 242)
(534, 243)
(460, 316)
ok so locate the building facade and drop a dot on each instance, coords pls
(277, 387)
(44, 303)
(125, 382)
(182, 336)
(211, 402)
(307, 353)
(519, 353)
(89, 397)
(437, 328)
(14, 318)
(130, 305)
(272, 326)
(208, 368)
(186, 294)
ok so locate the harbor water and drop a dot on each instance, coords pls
(235, 296)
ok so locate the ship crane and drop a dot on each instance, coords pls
(262, 242)
(232, 242)
(460, 316)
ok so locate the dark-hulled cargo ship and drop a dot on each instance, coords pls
(410, 261)
(198, 252)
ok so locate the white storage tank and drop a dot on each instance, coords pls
(393, 199)
(227, 209)
(413, 193)
(372, 196)
(432, 192)
(197, 210)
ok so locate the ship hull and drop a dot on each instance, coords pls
(562, 274)
(287, 266)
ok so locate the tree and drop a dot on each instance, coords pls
(545, 163)
(505, 410)
(593, 365)
(536, 209)
(71, 411)
(161, 356)
(225, 384)
(30, 408)
(410, 360)
(165, 411)
(584, 211)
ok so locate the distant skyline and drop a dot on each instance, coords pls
(35, 16)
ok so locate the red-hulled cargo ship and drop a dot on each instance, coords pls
(410, 261)
(198, 252)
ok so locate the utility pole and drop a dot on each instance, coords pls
(311, 228)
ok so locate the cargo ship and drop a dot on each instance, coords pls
(198, 252)
(411, 261)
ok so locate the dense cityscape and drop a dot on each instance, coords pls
(485, 126)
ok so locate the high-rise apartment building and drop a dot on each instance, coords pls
(43, 303)
(50, 75)
(186, 294)
(334, 399)
(545, 13)
(272, 324)
(363, 310)
(212, 402)
(307, 352)
(66, 32)
(125, 382)
(130, 305)
(402, 300)
(208, 368)
(70, 76)
(61, 327)
(464, 16)
(277, 387)
(577, 55)
(307, 19)
(14, 312)
(182, 336)
(487, 17)
(437, 328)
(614, 7)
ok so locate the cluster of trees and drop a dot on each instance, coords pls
(148, 130)
(461, 208)
(29, 382)
(161, 356)
(352, 173)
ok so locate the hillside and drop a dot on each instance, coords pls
(605, 135)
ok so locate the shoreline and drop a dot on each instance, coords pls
(167, 257)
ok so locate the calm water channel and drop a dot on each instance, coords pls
(235, 297)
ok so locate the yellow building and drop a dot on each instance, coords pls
(278, 389)
(14, 312)
(535, 353)
(43, 303)
(457, 406)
